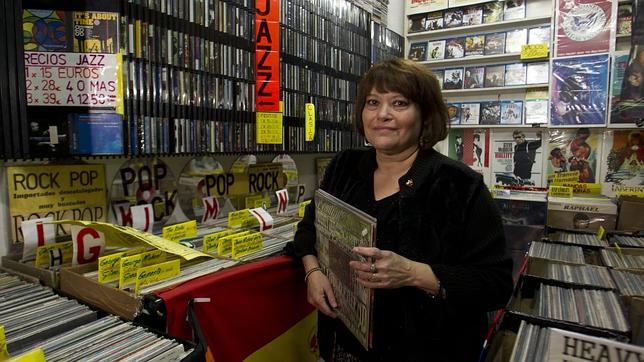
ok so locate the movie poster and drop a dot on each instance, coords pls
(575, 152)
(583, 27)
(516, 157)
(619, 65)
(424, 6)
(579, 90)
(622, 166)
(471, 146)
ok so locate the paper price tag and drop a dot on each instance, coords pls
(127, 269)
(211, 241)
(269, 128)
(179, 231)
(562, 177)
(584, 188)
(560, 191)
(237, 218)
(309, 119)
(601, 233)
(156, 273)
(302, 208)
(534, 51)
(225, 246)
(109, 265)
(246, 245)
(35, 355)
(257, 201)
(631, 193)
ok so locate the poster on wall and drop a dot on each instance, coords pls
(471, 146)
(579, 91)
(424, 6)
(575, 152)
(583, 26)
(622, 166)
(75, 192)
(517, 157)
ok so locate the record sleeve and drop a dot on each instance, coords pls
(583, 27)
(537, 73)
(494, 76)
(474, 77)
(571, 150)
(539, 35)
(455, 48)
(439, 74)
(453, 18)
(515, 39)
(622, 166)
(624, 19)
(470, 113)
(515, 74)
(454, 112)
(620, 64)
(536, 111)
(453, 79)
(47, 30)
(490, 113)
(434, 20)
(96, 134)
(579, 90)
(517, 157)
(474, 45)
(471, 146)
(95, 32)
(511, 112)
(473, 15)
(514, 9)
(436, 50)
(418, 51)
(494, 43)
(492, 12)
(416, 23)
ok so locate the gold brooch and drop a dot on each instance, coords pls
(409, 183)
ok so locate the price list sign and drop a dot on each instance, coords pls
(71, 79)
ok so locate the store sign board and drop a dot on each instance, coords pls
(267, 56)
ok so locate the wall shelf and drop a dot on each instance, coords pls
(482, 28)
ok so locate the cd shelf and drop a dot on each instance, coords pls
(472, 60)
(489, 27)
(493, 90)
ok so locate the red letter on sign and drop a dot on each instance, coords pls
(93, 246)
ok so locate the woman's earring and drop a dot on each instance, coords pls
(367, 144)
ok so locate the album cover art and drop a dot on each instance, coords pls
(471, 146)
(434, 20)
(47, 30)
(494, 76)
(583, 27)
(453, 78)
(624, 19)
(515, 39)
(515, 74)
(416, 23)
(573, 150)
(470, 113)
(514, 9)
(96, 32)
(579, 90)
(454, 113)
(536, 111)
(492, 12)
(623, 162)
(620, 64)
(474, 77)
(511, 112)
(455, 48)
(418, 51)
(490, 112)
(436, 50)
(474, 45)
(517, 157)
(494, 43)
(539, 35)
(473, 15)
(453, 18)
(537, 73)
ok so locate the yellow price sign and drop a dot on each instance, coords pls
(584, 188)
(268, 127)
(563, 177)
(630, 193)
(534, 51)
(246, 245)
(225, 246)
(309, 119)
(237, 218)
(211, 241)
(302, 208)
(179, 231)
(601, 233)
(560, 191)
(156, 273)
(43, 253)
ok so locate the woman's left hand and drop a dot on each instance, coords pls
(387, 269)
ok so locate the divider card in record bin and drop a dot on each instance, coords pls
(581, 213)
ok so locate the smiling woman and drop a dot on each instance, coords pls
(439, 263)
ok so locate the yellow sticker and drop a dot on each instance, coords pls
(281, 107)
(246, 245)
(4, 354)
(120, 105)
(127, 269)
(584, 188)
(268, 126)
(630, 193)
(619, 251)
(42, 253)
(536, 93)
(309, 122)
(562, 177)
(179, 231)
(236, 218)
(601, 233)
(258, 201)
(35, 355)
(534, 51)
(560, 191)
(302, 208)
(211, 241)
(156, 273)
(225, 246)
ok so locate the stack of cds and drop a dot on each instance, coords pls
(620, 260)
(632, 241)
(578, 239)
(581, 274)
(531, 344)
(572, 254)
(629, 284)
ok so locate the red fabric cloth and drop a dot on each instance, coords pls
(250, 305)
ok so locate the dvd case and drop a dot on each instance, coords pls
(470, 113)
(517, 157)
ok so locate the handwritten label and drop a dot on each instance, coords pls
(561, 177)
(156, 273)
(179, 231)
(309, 119)
(237, 218)
(534, 51)
(584, 188)
(44, 253)
(127, 269)
(257, 201)
(269, 128)
(560, 191)
(225, 246)
(246, 245)
(109, 265)
(302, 208)
(211, 241)
(630, 193)
(536, 93)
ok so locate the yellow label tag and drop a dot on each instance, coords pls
(179, 231)
(302, 208)
(601, 233)
(562, 177)
(110, 265)
(246, 245)
(560, 191)
(236, 218)
(534, 51)
(127, 269)
(584, 188)
(153, 257)
(225, 246)
(619, 251)
(156, 273)
(536, 93)
(4, 354)
(630, 193)
(120, 105)
(42, 253)
(35, 355)
(309, 122)
(281, 107)
(269, 128)
(211, 241)
(498, 187)
(258, 201)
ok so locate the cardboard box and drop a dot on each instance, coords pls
(47, 277)
(631, 213)
(102, 296)
(581, 213)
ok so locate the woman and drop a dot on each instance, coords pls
(440, 261)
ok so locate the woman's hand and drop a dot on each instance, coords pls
(320, 294)
(387, 269)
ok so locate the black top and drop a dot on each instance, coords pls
(443, 216)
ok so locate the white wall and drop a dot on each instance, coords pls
(396, 16)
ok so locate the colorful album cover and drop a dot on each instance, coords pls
(517, 157)
(494, 43)
(537, 73)
(96, 134)
(624, 19)
(492, 12)
(573, 150)
(474, 45)
(418, 51)
(440, 75)
(96, 32)
(494, 76)
(434, 20)
(455, 48)
(454, 113)
(453, 18)
(473, 15)
(514, 9)
(511, 112)
(583, 27)
(47, 30)
(490, 112)
(453, 79)
(416, 23)
(630, 107)
(579, 90)
(515, 39)
(436, 50)
(620, 64)
(474, 77)
(515, 74)
(48, 136)
(622, 166)
(471, 146)
(539, 35)
(470, 113)
(536, 111)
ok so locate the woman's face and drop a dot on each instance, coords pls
(392, 123)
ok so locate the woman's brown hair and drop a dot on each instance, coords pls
(416, 83)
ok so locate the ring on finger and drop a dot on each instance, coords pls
(373, 277)
(373, 268)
